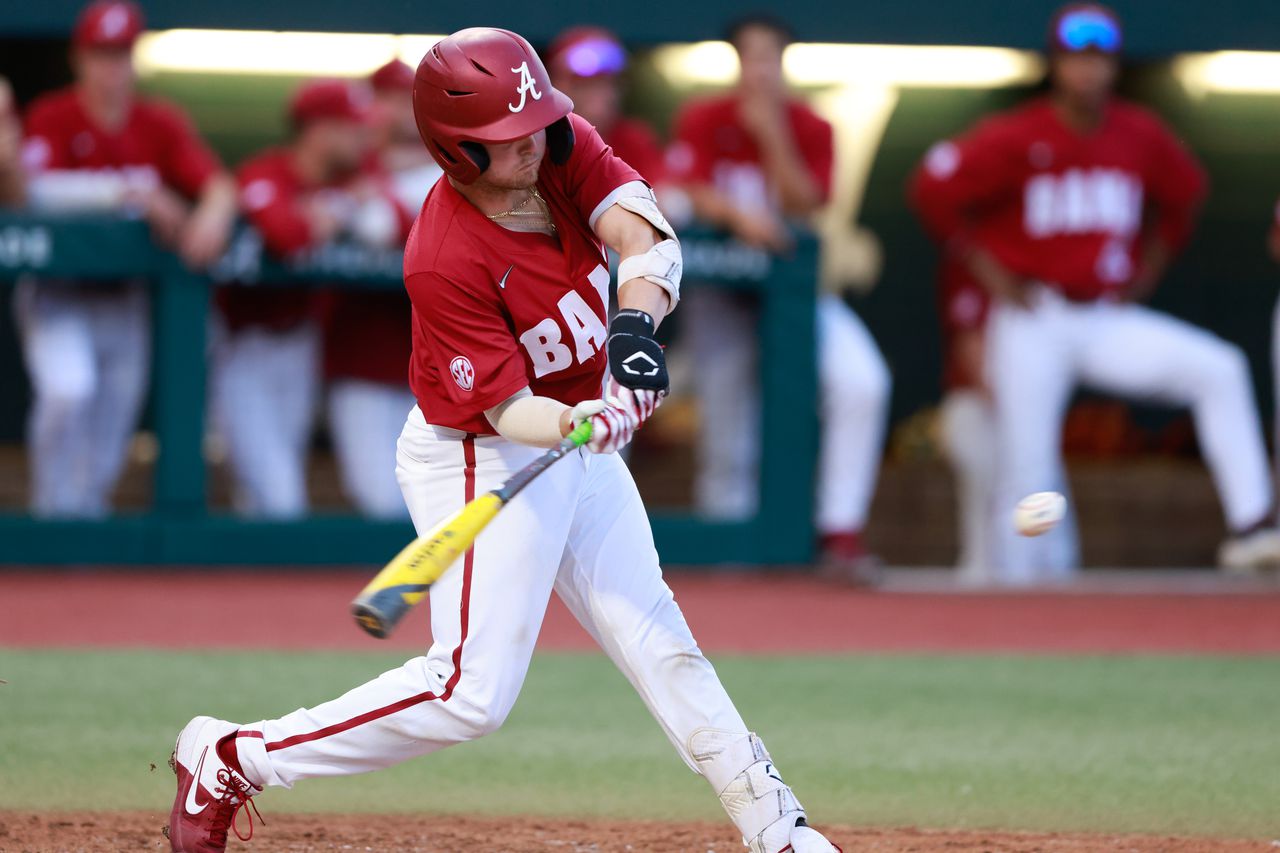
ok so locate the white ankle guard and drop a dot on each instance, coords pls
(751, 790)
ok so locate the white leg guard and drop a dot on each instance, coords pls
(751, 790)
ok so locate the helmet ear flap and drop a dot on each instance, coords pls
(477, 153)
(560, 141)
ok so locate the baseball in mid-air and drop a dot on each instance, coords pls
(1039, 513)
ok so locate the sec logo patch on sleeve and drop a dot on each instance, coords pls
(463, 373)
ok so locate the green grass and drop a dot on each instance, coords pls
(1146, 744)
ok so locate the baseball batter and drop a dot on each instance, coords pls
(505, 270)
(1067, 211)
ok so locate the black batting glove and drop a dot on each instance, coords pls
(635, 358)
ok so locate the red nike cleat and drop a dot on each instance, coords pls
(210, 794)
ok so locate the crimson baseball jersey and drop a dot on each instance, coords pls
(638, 146)
(157, 141)
(1057, 206)
(496, 310)
(711, 146)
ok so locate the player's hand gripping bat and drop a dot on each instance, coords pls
(403, 582)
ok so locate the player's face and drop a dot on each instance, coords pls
(105, 73)
(760, 56)
(514, 165)
(597, 99)
(1085, 78)
(393, 113)
(345, 143)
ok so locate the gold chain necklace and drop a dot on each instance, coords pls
(543, 211)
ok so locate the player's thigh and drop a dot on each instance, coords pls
(121, 333)
(1031, 370)
(1138, 352)
(850, 365)
(610, 577)
(57, 343)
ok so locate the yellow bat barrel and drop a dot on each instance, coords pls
(405, 580)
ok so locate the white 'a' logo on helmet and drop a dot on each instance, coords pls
(528, 86)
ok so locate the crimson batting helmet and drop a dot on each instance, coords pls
(486, 85)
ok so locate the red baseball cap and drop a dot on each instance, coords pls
(109, 24)
(392, 77)
(317, 100)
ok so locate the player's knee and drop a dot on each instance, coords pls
(1222, 365)
(861, 388)
(67, 397)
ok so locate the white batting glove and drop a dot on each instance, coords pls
(640, 403)
(611, 426)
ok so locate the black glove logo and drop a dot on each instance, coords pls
(642, 360)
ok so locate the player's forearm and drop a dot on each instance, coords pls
(13, 186)
(798, 192)
(217, 198)
(1155, 259)
(527, 419)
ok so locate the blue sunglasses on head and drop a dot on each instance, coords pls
(1089, 28)
(595, 56)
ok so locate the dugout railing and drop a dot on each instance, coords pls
(180, 528)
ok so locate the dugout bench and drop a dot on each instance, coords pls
(180, 529)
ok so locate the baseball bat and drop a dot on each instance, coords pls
(404, 581)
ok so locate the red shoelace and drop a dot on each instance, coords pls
(233, 795)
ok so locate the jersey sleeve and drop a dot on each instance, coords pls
(593, 171)
(957, 178)
(187, 162)
(468, 342)
(816, 142)
(46, 144)
(1176, 186)
(692, 157)
(270, 206)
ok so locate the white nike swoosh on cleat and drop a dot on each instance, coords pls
(502, 282)
(195, 786)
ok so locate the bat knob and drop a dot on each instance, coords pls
(369, 619)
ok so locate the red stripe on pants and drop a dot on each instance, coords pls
(469, 494)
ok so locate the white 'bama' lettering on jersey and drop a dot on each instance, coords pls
(1083, 201)
(544, 342)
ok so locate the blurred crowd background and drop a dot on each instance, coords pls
(767, 136)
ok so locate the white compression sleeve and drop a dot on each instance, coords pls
(526, 419)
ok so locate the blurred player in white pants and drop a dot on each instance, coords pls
(318, 188)
(969, 436)
(366, 335)
(1068, 211)
(97, 147)
(750, 160)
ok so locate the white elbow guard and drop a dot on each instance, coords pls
(636, 197)
(662, 265)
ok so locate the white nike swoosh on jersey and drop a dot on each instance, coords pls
(502, 282)
(195, 785)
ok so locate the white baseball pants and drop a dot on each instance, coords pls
(581, 530)
(88, 356)
(264, 388)
(854, 387)
(1036, 358)
(365, 419)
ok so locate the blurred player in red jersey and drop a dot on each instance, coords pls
(366, 335)
(317, 188)
(13, 185)
(1068, 211)
(506, 270)
(98, 147)
(587, 64)
(752, 160)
